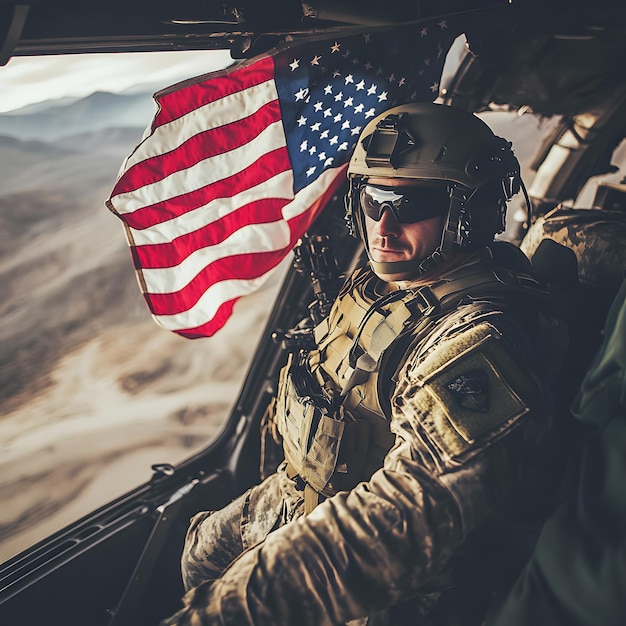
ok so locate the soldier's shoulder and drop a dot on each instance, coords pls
(466, 390)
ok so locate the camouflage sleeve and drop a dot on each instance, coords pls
(463, 417)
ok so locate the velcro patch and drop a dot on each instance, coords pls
(467, 391)
(476, 396)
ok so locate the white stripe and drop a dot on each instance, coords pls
(247, 240)
(212, 299)
(226, 110)
(202, 173)
(307, 196)
(280, 186)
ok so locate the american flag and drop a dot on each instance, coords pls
(237, 164)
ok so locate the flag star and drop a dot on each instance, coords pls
(424, 32)
(318, 106)
(328, 112)
(368, 66)
(338, 97)
(343, 146)
(328, 90)
(321, 156)
(316, 60)
(312, 150)
(301, 94)
(360, 85)
(379, 71)
(401, 82)
(383, 96)
(304, 146)
(356, 130)
(316, 126)
(335, 48)
(324, 134)
(337, 117)
(434, 87)
(328, 162)
(443, 24)
(427, 62)
(368, 37)
(345, 125)
(439, 50)
(391, 78)
(333, 140)
(371, 90)
(336, 73)
(359, 108)
(349, 79)
(370, 113)
(354, 61)
(346, 55)
(294, 65)
(348, 102)
(310, 171)
(301, 120)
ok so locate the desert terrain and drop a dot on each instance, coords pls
(92, 391)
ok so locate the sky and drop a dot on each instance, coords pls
(27, 80)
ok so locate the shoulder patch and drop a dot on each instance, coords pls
(471, 390)
(466, 392)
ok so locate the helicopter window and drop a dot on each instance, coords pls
(92, 391)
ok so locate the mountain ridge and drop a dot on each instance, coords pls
(100, 110)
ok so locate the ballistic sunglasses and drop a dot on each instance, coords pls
(408, 204)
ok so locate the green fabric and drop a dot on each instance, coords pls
(577, 575)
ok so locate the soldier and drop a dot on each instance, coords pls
(418, 424)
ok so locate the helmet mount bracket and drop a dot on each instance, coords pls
(389, 142)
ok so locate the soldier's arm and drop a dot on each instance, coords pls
(465, 418)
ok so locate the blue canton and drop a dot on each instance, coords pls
(329, 90)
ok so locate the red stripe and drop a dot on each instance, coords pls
(210, 328)
(241, 266)
(202, 146)
(261, 170)
(209, 88)
(163, 255)
(238, 266)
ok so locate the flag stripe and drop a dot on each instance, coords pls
(181, 101)
(227, 287)
(203, 173)
(233, 233)
(256, 175)
(221, 206)
(264, 238)
(195, 141)
(209, 328)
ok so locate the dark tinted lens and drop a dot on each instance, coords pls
(409, 204)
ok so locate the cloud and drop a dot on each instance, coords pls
(26, 80)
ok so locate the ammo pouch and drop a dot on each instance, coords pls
(326, 448)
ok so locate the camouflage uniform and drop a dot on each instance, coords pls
(469, 420)
(597, 237)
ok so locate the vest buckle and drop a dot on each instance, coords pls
(425, 302)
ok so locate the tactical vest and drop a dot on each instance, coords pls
(333, 404)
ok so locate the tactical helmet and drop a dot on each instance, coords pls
(435, 142)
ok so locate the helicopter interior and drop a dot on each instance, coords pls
(553, 59)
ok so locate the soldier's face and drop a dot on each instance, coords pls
(389, 240)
